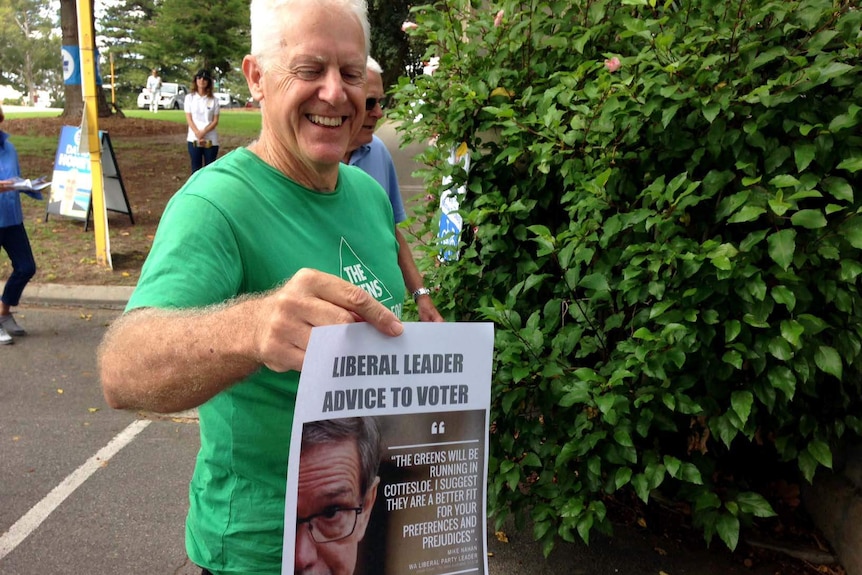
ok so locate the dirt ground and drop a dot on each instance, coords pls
(153, 164)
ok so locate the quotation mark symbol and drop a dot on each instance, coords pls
(438, 428)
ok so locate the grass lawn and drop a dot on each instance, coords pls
(153, 160)
(241, 123)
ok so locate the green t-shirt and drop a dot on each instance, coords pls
(239, 227)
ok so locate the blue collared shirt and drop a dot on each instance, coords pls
(375, 160)
(10, 202)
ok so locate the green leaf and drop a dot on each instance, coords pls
(727, 527)
(731, 330)
(584, 526)
(668, 114)
(807, 465)
(622, 476)
(820, 451)
(623, 437)
(746, 214)
(659, 308)
(711, 111)
(597, 282)
(780, 349)
(781, 378)
(782, 246)
(733, 357)
(852, 231)
(691, 474)
(579, 392)
(540, 529)
(828, 360)
(852, 165)
(784, 181)
(531, 460)
(581, 40)
(724, 428)
(810, 219)
(641, 485)
(792, 330)
(672, 464)
(830, 71)
(803, 154)
(741, 402)
(754, 504)
(785, 296)
(838, 188)
(842, 122)
(513, 477)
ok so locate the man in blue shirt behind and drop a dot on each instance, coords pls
(369, 153)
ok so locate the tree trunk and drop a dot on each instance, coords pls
(74, 109)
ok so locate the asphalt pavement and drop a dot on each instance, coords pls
(87, 489)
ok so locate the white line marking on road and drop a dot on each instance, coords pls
(39, 512)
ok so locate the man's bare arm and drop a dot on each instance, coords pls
(413, 280)
(168, 361)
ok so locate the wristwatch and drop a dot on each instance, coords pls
(420, 292)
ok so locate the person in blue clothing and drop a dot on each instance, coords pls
(369, 153)
(13, 238)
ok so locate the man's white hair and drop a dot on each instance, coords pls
(269, 19)
(372, 65)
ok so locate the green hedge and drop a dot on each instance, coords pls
(663, 222)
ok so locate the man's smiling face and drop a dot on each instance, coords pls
(314, 88)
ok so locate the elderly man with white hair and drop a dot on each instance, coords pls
(251, 253)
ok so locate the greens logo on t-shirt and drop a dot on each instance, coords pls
(357, 273)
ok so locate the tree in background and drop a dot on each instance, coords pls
(176, 37)
(389, 45)
(74, 98)
(29, 49)
(211, 34)
(133, 60)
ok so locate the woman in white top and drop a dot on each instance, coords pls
(202, 110)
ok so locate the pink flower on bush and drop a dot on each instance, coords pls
(408, 26)
(613, 64)
(498, 19)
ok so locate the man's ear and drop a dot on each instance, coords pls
(367, 507)
(253, 73)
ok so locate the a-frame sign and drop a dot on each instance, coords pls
(72, 183)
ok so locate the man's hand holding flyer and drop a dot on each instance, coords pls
(388, 455)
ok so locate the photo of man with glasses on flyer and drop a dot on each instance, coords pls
(338, 480)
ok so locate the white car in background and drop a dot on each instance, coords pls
(225, 100)
(171, 97)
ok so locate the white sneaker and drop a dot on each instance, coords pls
(5, 338)
(8, 323)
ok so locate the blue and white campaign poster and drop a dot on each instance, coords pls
(72, 182)
(388, 461)
(451, 222)
(72, 66)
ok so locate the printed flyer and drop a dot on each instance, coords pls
(388, 456)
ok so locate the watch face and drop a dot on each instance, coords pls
(420, 292)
